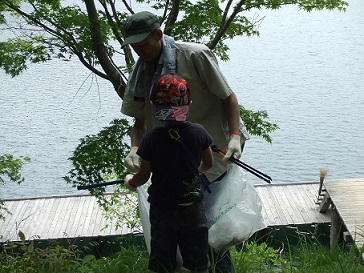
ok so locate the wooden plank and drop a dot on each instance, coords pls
(79, 206)
(335, 228)
(7, 226)
(53, 220)
(303, 209)
(87, 203)
(347, 197)
(90, 216)
(271, 201)
(67, 216)
(325, 203)
(11, 228)
(301, 197)
(78, 216)
(74, 205)
(75, 222)
(51, 217)
(289, 206)
(296, 212)
(267, 213)
(308, 197)
(94, 225)
(55, 230)
(308, 194)
(282, 206)
(17, 220)
(43, 221)
(32, 223)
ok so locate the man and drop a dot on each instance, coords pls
(214, 105)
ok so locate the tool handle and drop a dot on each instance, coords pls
(97, 185)
(257, 173)
(248, 168)
(251, 169)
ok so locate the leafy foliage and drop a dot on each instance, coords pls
(99, 157)
(27, 257)
(10, 167)
(255, 257)
(251, 258)
(257, 123)
(92, 31)
(16, 52)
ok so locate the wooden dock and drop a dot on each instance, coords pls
(346, 198)
(58, 217)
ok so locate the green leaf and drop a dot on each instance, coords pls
(258, 124)
(21, 236)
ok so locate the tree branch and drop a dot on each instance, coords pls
(108, 66)
(225, 25)
(70, 41)
(172, 18)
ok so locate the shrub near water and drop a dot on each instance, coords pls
(21, 258)
(251, 258)
(27, 258)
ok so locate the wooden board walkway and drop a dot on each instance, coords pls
(58, 217)
(346, 196)
(290, 204)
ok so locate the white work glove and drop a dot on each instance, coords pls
(132, 160)
(234, 148)
(126, 182)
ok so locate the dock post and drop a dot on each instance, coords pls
(335, 228)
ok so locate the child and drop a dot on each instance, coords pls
(175, 154)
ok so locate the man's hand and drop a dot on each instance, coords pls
(132, 161)
(234, 148)
(127, 182)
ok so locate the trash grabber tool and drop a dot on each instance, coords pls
(92, 186)
(245, 166)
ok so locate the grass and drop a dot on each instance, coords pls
(302, 258)
(251, 257)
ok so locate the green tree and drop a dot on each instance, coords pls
(10, 168)
(92, 32)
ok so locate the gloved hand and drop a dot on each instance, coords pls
(132, 160)
(126, 182)
(234, 148)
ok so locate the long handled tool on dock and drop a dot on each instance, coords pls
(250, 169)
(92, 186)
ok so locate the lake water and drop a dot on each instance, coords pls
(305, 69)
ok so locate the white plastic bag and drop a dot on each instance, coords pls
(144, 207)
(233, 210)
(144, 214)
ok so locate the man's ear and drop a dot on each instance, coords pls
(159, 33)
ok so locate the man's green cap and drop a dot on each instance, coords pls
(138, 26)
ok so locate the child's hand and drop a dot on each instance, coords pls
(127, 180)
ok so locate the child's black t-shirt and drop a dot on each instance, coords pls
(174, 164)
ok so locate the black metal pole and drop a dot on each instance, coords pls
(257, 173)
(92, 186)
(245, 166)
